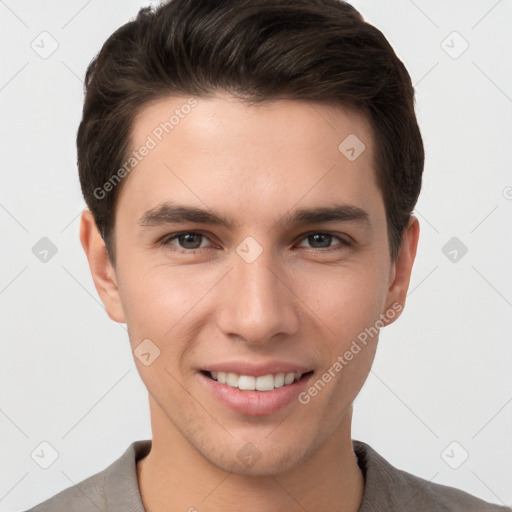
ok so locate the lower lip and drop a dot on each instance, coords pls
(255, 403)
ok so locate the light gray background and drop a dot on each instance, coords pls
(442, 372)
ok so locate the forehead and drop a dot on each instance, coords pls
(257, 159)
(222, 114)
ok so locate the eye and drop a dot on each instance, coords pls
(189, 241)
(323, 241)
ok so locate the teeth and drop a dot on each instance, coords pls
(232, 380)
(279, 380)
(264, 383)
(247, 382)
(250, 383)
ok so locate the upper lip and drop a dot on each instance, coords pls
(255, 370)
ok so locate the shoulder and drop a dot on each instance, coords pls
(423, 493)
(89, 494)
(114, 488)
(388, 488)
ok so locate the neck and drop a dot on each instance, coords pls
(174, 476)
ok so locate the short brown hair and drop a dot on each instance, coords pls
(318, 50)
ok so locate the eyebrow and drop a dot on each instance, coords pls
(171, 213)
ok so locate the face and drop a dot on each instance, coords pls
(283, 272)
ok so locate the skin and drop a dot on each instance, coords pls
(302, 300)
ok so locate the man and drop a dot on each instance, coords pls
(250, 169)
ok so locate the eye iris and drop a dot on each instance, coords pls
(320, 236)
(188, 237)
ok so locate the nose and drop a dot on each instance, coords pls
(256, 303)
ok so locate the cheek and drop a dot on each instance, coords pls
(165, 302)
(346, 300)
(160, 301)
(350, 306)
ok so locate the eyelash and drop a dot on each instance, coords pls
(166, 241)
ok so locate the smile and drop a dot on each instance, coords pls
(260, 394)
(267, 382)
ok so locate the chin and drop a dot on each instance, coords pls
(268, 465)
(258, 458)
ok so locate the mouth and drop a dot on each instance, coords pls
(264, 383)
(255, 395)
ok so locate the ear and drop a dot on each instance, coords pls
(102, 271)
(400, 272)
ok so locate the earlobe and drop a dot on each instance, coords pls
(402, 269)
(102, 272)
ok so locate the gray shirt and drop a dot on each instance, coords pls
(387, 489)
